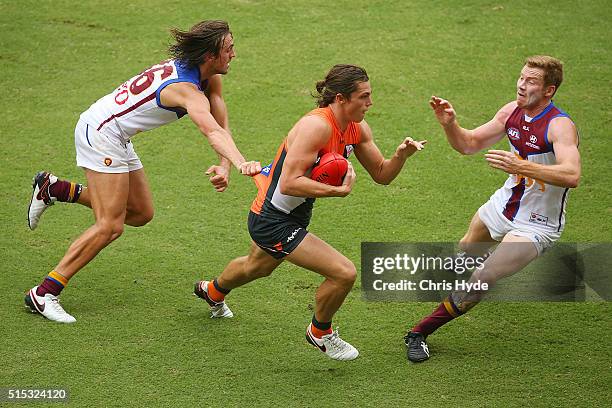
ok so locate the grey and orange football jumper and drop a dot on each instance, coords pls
(277, 221)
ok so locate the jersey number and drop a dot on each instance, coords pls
(142, 82)
(529, 182)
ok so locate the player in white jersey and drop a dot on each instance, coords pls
(527, 214)
(117, 190)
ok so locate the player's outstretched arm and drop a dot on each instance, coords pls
(467, 141)
(187, 96)
(565, 172)
(305, 141)
(384, 171)
(219, 174)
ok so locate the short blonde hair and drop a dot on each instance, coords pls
(552, 67)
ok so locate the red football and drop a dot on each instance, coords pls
(330, 169)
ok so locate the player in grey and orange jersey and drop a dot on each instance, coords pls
(282, 209)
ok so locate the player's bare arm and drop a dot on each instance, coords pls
(383, 171)
(187, 96)
(305, 141)
(563, 136)
(219, 174)
(467, 141)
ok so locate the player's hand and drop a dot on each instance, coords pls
(349, 180)
(504, 161)
(250, 168)
(219, 177)
(444, 111)
(409, 146)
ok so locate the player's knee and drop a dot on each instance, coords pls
(109, 230)
(347, 274)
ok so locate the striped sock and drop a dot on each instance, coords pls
(54, 283)
(215, 292)
(444, 313)
(320, 329)
(65, 191)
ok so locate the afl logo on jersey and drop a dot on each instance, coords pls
(513, 133)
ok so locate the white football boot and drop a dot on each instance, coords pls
(48, 306)
(41, 199)
(332, 345)
(217, 309)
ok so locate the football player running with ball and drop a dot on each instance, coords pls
(282, 209)
(527, 214)
(117, 188)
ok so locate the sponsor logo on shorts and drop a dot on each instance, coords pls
(513, 133)
(108, 161)
(293, 234)
(538, 219)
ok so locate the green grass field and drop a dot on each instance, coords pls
(143, 340)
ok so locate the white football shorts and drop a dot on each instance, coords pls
(499, 226)
(104, 154)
